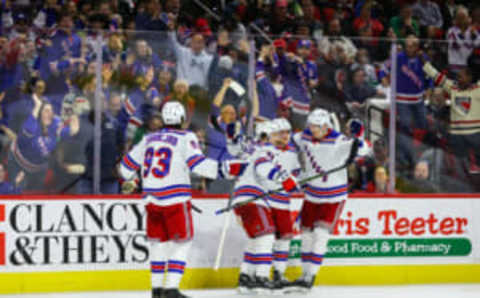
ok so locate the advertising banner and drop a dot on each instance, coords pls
(99, 234)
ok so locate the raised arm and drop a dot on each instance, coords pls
(218, 100)
(179, 49)
(438, 78)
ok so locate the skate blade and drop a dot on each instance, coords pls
(279, 292)
(258, 291)
(296, 290)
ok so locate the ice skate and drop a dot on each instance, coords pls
(157, 293)
(302, 285)
(280, 283)
(262, 285)
(173, 293)
(245, 284)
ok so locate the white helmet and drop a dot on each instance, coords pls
(173, 113)
(319, 117)
(282, 124)
(273, 127)
(262, 128)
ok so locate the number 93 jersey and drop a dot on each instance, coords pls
(165, 160)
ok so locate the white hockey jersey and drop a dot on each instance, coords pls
(258, 177)
(165, 159)
(287, 159)
(320, 156)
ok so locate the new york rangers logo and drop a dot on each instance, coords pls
(463, 103)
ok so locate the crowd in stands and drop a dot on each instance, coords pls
(230, 61)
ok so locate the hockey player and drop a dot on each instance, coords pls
(165, 159)
(279, 202)
(262, 174)
(323, 149)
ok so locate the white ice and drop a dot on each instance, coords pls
(423, 291)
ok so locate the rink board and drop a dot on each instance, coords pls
(53, 244)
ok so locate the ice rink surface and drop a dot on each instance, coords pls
(434, 291)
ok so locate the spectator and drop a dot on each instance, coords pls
(428, 14)
(404, 24)
(448, 9)
(299, 76)
(63, 48)
(365, 20)
(438, 117)
(333, 71)
(224, 69)
(380, 181)
(334, 36)
(362, 61)
(461, 40)
(111, 153)
(439, 171)
(140, 98)
(464, 137)
(143, 58)
(114, 106)
(219, 119)
(193, 64)
(365, 165)
(21, 28)
(164, 82)
(412, 84)
(358, 91)
(47, 16)
(19, 110)
(180, 93)
(269, 101)
(312, 18)
(71, 159)
(280, 21)
(35, 143)
(6, 188)
(152, 123)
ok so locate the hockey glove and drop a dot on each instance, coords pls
(289, 183)
(353, 152)
(232, 168)
(129, 187)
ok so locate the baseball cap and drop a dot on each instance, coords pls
(202, 26)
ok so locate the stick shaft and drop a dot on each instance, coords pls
(221, 244)
(302, 183)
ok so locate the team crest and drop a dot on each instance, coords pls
(463, 103)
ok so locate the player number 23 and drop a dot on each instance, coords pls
(163, 157)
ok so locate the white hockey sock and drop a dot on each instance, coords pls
(158, 257)
(262, 258)
(176, 263)
(307, 243)
(320, 236)
(247, 266)
(280, 255)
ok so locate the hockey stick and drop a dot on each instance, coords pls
(196, 209)
(301, 183)
(223, 236)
